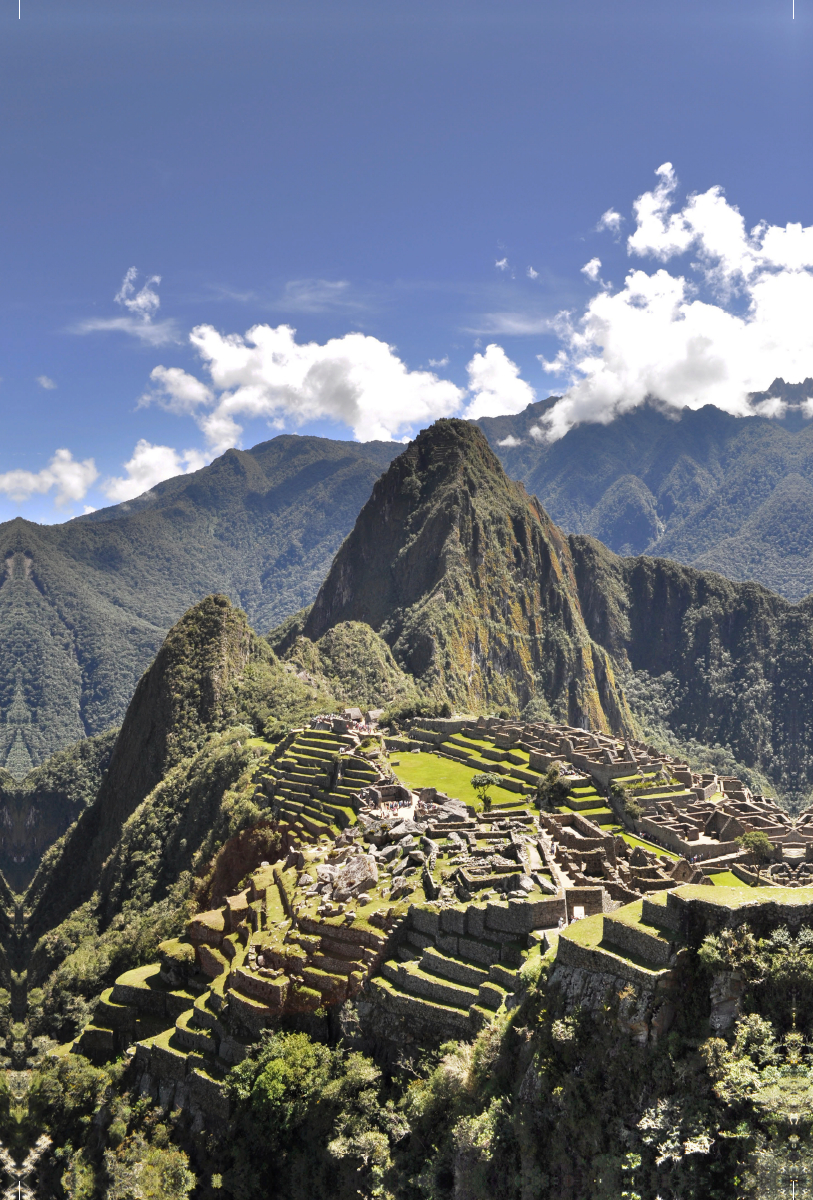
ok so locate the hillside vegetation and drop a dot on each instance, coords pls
(84, 606)
(722, 493)
(453, 589)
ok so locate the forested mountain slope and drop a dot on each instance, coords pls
(84, 606)
(729, 494)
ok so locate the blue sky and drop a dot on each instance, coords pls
(357, 171)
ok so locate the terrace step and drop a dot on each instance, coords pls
(491, 995)
(192, 1038)
(453, 969)
(448, 1020)
(506, 977)
(410, 978)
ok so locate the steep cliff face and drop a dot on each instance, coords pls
(738, 658)
(188, 692)
(470, 583)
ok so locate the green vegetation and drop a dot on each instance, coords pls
(759, 847)
(482, 783)
(727, 879)
(431, 770)
(84, 606)
(713, 491)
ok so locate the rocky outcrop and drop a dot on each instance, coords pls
(470, 583)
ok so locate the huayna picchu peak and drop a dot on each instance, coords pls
(486, 874)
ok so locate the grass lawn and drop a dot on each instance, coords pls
(634, 841)
(727, 879)
(429, 770)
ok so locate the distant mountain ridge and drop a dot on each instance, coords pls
(84, 606)
(721, 493)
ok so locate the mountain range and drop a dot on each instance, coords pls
(714, 491)
(454, 588)
(84, 606)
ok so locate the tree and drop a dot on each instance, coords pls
(481, 784)
(551, 790)
(632, 808)
(758, 846)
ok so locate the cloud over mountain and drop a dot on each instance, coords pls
(355, 379)
(724, 325)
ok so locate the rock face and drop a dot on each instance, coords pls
(470, 583)
(356, 877)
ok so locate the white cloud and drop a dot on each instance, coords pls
(139, 322)
(177, 391)
(439, 362)
(501, 264)
(495, 385)
(143, 303)
(592, 269)
(354, 379)
(510, 441)
(46, 383)
(610, 221)
(511, 323)
(317, 295)
(150, 465)
(721, 328)
(70, 479)
(532, 274)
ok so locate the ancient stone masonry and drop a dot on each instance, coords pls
(696, 816)
(630, 960)
(411, 915)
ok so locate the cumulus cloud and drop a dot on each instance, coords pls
(610, 221)
(496, 386)
(141, 305)
(726, 324)
(150, 465)
(501, 264)
(532, 274)
(355, 379)
(46, 383)
(592, 269)
(509, 441)
(69, 479)
(439, 362)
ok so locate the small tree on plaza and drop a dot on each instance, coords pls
(759, 847)
(482, 783)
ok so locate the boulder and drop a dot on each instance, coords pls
(359, 875)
